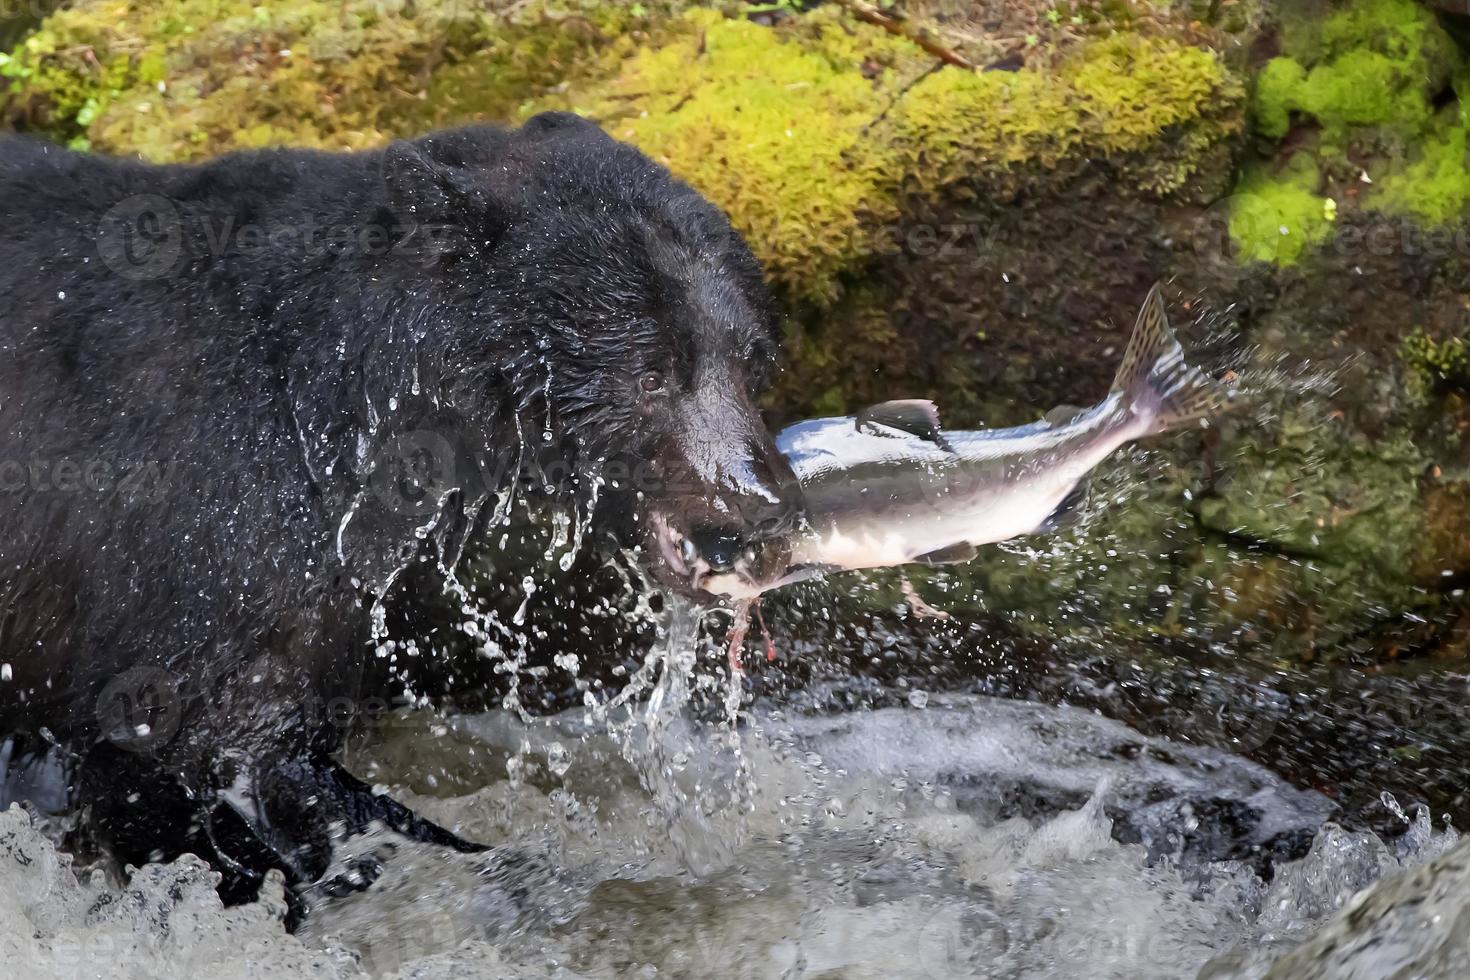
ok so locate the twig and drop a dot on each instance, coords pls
(899, 96)
(918, 608)
(872, 15)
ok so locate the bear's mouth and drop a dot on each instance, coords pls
(676, 563)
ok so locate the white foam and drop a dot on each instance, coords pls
(167, 922)
(878, 844)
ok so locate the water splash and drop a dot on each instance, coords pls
(970, 838)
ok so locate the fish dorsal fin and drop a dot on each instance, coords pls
(916, 416)
(1062, 414)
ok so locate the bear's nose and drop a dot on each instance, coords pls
(719, 547)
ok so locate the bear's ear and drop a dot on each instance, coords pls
(445, 205)
(554, 125)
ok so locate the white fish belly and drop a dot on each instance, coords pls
(877, 543)
(998, 513)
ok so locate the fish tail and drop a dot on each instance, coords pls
(1157, 383)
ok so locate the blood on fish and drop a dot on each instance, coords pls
(765, 633)
(740, 629)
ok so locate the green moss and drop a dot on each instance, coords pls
(1435, 186)
(1277, 217)
(1113, 97)
(1369, 74)
(1276, 95)
(1432, 365)
(1137, 87)
(770, 124)
(1400, 29)
(185, 79)
(808, 134)
(1373, 62)
(1365, 88)
(516, 68)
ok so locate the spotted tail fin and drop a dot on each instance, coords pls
(1155, 379)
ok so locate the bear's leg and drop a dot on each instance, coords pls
(302, 805)
(305, 809)
(245, 804)
(137, 810)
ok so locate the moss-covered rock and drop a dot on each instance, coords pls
(1362, 63)
(188, 79)
(1278, 216)
(1363, 112)
(808, 135)
(1434, 365)
(805, 132)
(1354, 198)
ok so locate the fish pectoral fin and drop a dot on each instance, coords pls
(955, 554)
(1062, 414)
(915, 416)
(1067, 512)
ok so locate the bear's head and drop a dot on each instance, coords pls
(622, 321)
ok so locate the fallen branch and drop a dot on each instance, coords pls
(872, 15)
(899, 97)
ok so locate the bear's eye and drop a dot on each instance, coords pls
(652, 382)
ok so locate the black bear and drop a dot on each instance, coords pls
(237, 399)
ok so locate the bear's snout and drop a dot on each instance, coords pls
(733, 503)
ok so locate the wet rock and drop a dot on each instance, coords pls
(1409, 924)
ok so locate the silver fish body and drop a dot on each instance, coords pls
(889, 487)
(877, 498)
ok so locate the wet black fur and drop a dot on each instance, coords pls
(200, 391)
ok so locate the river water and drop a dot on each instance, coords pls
(683, 833)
